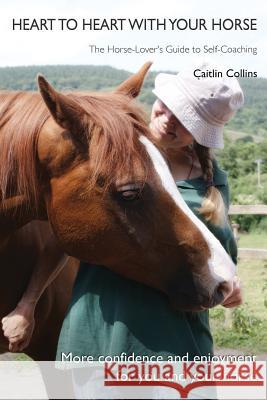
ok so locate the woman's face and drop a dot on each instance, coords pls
(167, 129)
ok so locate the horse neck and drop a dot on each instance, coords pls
(15, 212)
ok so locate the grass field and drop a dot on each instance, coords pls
(253, 240)
(245, 327)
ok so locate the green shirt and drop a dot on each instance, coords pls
(109, 315)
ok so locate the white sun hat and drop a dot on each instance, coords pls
(203, 105)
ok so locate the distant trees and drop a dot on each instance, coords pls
(238, 159)
(251, 119)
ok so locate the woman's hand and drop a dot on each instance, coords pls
(234, 299)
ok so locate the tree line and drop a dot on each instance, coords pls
(251, 119)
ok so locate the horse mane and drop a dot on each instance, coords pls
(22, 116)
(115, 121)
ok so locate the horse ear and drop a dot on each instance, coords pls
(133, 84)
(65, 111)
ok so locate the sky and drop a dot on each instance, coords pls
(73, 47)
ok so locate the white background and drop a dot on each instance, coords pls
(42, 47)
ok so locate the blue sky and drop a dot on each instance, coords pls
(33, 47)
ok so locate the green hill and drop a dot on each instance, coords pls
(251, 120)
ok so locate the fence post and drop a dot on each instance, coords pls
(235, 227)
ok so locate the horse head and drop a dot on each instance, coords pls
(111, 199)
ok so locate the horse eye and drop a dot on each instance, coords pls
(129, 192)
(129, 195)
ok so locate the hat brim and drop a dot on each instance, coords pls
(204, 133)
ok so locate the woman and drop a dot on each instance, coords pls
(110, 315)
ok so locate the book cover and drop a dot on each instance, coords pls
(84, 181)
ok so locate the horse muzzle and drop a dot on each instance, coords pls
(220, 293)
(203, 297)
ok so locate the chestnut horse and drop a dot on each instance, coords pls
(80, 177)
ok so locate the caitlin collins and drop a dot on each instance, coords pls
(230, 73)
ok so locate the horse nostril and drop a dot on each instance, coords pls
(221, 292)
(205, 300)
(218, 295)
(225, 288)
